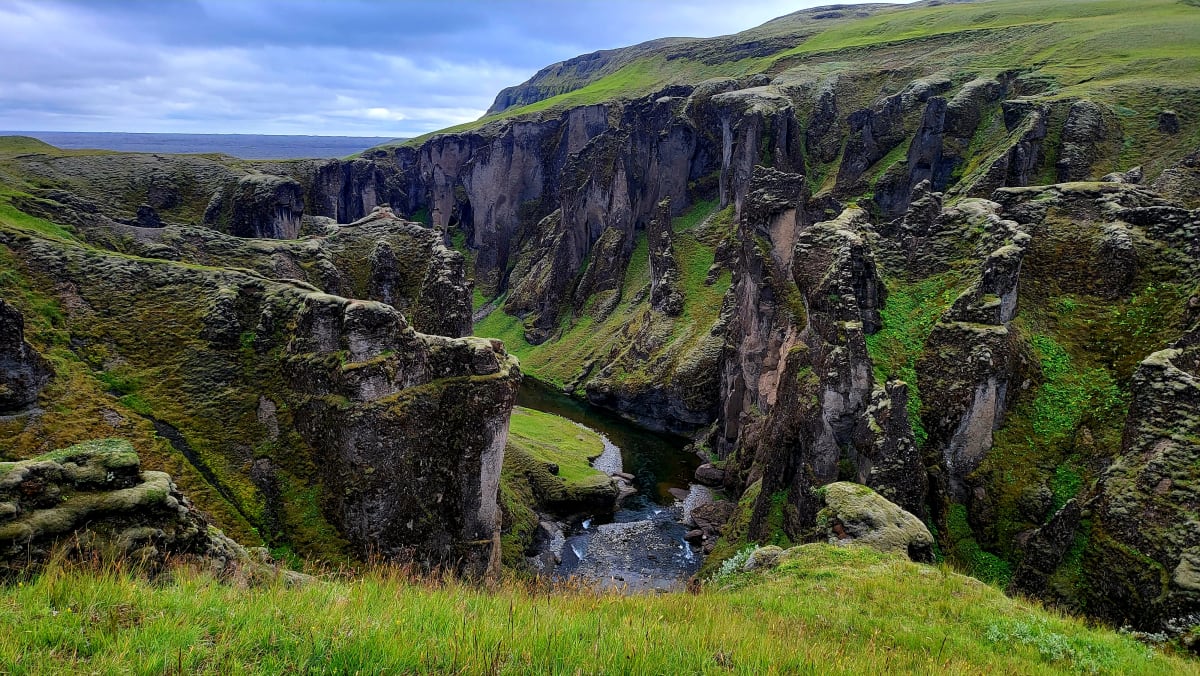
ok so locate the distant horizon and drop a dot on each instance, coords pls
(358, 68)
(25, 132)
(246, 146)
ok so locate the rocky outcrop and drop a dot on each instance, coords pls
(834, 268)
(665, 295)
(94, 500)
(1168, 122)
(888, 459)
(853, 514)
(1018, 157)
(397, 421)
(1146, 553)
(383, 471)
(258, 205)
(147, 217)
(1181, 181)
(1087, 127)
(763, 318)
(811, 405)
(1043, 550)
(971, 363)
(23, 372)
(875, 131)
(1133, 175)
(379, 257)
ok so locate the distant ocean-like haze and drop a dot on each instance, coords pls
(245, 146)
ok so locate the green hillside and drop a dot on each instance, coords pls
(1098, 49)
(826, 610)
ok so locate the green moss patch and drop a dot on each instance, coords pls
(909, 313)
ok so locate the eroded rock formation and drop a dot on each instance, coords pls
(295, 380)
(94, 499)
(258, 205)
(23, 372)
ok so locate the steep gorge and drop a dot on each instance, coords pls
(915, 260)
(897, 308)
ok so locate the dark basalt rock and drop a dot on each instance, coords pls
(1168, 122)
(147, 217)
(397, 421)
(820, 138)
(873, 133)
(23, 372)
(1145, 553)
(384, 467)
(664, 271)
(709, 475)
(888, 458)
(1087, 126)
(1045, 548)
(1181, 181)
(258, 205)
(976, 360)
(1118, 259)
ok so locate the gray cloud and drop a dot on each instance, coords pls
(352, 67)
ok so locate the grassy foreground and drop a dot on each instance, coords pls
(831, 610)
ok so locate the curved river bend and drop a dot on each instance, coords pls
(641, 546)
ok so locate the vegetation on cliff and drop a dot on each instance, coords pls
(547, 469)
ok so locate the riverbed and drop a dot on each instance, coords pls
(640, 547)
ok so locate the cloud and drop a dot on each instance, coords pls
(352, 67)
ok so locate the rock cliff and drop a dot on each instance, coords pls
(862, 245)
(309, 420)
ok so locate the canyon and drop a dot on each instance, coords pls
(867, 246)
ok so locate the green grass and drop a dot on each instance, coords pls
(828, 610)
(1065, 484)
(1072, 419)
(694, 215)
(528, 487)
(24, 144)
(909, 313)
(1099, 49)
(582, 337)
(641, 77)
(554, 439)
(1069, 391)
(12, 217)
(967, 553)
(1083, 44)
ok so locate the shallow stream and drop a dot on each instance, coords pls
(641, 546)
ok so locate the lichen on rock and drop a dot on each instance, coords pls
(855, 514)
(94, 499)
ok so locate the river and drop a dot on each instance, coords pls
(641, 546)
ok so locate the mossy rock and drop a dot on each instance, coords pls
(855, 514)
(92, 498)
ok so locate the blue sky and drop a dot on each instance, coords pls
(345, 67)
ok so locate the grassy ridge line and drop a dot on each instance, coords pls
(1088, 45)
(832, 610)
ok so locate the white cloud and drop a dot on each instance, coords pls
(353, 67)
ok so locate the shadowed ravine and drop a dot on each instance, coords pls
(641, 546)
